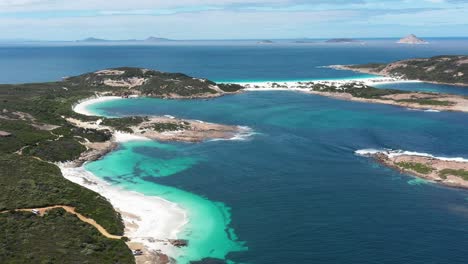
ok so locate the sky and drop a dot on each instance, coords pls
(230, 19)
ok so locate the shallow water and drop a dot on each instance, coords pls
(135, 165)
(297, 191)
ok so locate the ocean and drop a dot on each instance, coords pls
(294, 191)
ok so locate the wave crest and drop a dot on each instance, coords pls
(395, 153)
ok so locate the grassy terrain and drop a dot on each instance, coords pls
(357, 90)
(460, 173)
(57, 237)
(426, 102)
(414, 166)
(162, 127)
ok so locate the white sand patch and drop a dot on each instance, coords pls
(121, 137)
(127, 82)
(296, 85)
(395, 153)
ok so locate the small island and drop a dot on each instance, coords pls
(265, 42)
(343, 40)
(412, 40)
(150, 39)
(450, 172)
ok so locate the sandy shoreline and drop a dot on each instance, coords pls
(149, 220)
(81, 107)
(251, 86)
(383, 74)
(404, 99)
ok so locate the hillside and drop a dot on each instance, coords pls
(440, 69)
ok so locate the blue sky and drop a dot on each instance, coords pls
(230, 19)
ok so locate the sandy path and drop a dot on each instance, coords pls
(71, 210)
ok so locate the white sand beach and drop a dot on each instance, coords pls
(81, 107)
(149, 220)
(295, 85)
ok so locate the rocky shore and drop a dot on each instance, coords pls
(451, 172)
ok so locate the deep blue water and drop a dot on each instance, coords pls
(219, 61)
(297, 191)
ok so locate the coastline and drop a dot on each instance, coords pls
(81, 106)
(442, 170)
(404, 99)
(373, 72)
(151, 222)
(380, 79)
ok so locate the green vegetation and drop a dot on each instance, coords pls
(373, 66)
(417, 167)
(162, 127)
(156, 83)
(357, 90)
(460, 173)
(57, 237)
(23, 135)
(443, 69)
(230, 88)
(62, 149)
(28, 183)
(92, 135)
(123, 124)
(423, 101)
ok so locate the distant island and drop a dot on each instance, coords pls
(412, 40)
(439, 69)
(265, 42)
(343, 40)
(305, 41)
(149, 39)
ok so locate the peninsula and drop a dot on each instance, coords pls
(451, 172)
(46, 136)
(440, 69)
(363, 91)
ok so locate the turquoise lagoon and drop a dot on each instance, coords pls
(208, 229)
